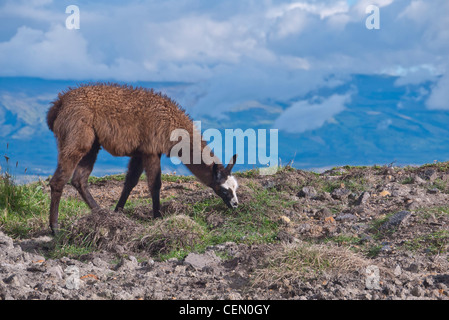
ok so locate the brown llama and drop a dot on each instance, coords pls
(125, 121)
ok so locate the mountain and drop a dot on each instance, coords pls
(381, 123)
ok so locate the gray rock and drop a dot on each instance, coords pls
(395, 221)
(323, 214)
(5, 242)
(55, 272)
(199, 261)
(14, 280)
(418, 180)
(433, 191)
(414, 267)
(343, 217)
(127, 264)
(340, 193)
(72, 281)
(363, 199)
(417, 291)
(429, 282)
(429, 174)
(307, 192)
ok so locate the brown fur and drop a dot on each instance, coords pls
(125, 121)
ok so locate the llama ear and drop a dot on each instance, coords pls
(231, 163)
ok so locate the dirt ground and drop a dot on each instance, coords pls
(347, 233)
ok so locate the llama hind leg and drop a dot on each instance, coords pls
(152, 165)
(61, 176)
(135, 169)
(81, 175)
(70, 153)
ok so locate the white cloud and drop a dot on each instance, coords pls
(439, 98)
(230, 52)
(304, 116)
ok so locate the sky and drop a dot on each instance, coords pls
(292, 60)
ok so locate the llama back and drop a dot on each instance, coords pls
(125, 120)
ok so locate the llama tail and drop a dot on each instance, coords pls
(53, 112)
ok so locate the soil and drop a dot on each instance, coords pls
(391, 225)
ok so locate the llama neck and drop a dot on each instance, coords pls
(200, 158)
(198, 166)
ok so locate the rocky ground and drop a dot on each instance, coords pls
(347, 233)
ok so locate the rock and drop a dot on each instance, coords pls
(414, 267)
(307, 192)
(365, 238)
(199, 261)
(55, 272)
(397, 271)
(72, 281)
(234, 296)
(127, 264)
(417, 291)
(429, 282)
(340, 193)
(304, 227)
(418, 180)
(433, 191)
(389, 289)
(323, 213)
(285, 220)
(14, 280)
(395, 221)
(363, 199)
(385, 193)
(5, 242)
(428, 174)
(343, 217)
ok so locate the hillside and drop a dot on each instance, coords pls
(348, 233)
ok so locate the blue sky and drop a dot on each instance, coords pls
(291, 65)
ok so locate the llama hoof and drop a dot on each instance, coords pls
(54, 230)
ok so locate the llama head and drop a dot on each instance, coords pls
(225, 185)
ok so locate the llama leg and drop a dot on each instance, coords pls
(152, 165)
(70, 153)
(81, 175)
(135, 170)
(62, 175)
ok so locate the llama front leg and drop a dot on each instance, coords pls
(152, 165)
(135, 170)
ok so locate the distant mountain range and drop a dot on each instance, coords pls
(382, 123)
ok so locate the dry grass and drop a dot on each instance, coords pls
(102, 229)
(177, 232)
(302, 261)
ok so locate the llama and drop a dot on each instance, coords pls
(125, 121)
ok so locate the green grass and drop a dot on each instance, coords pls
(440, 185)
(121, 177)
(435, 242)
(254, 222)
(343, 239)
(30, 213)
(24, 209)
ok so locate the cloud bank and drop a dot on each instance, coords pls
(232, 52)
